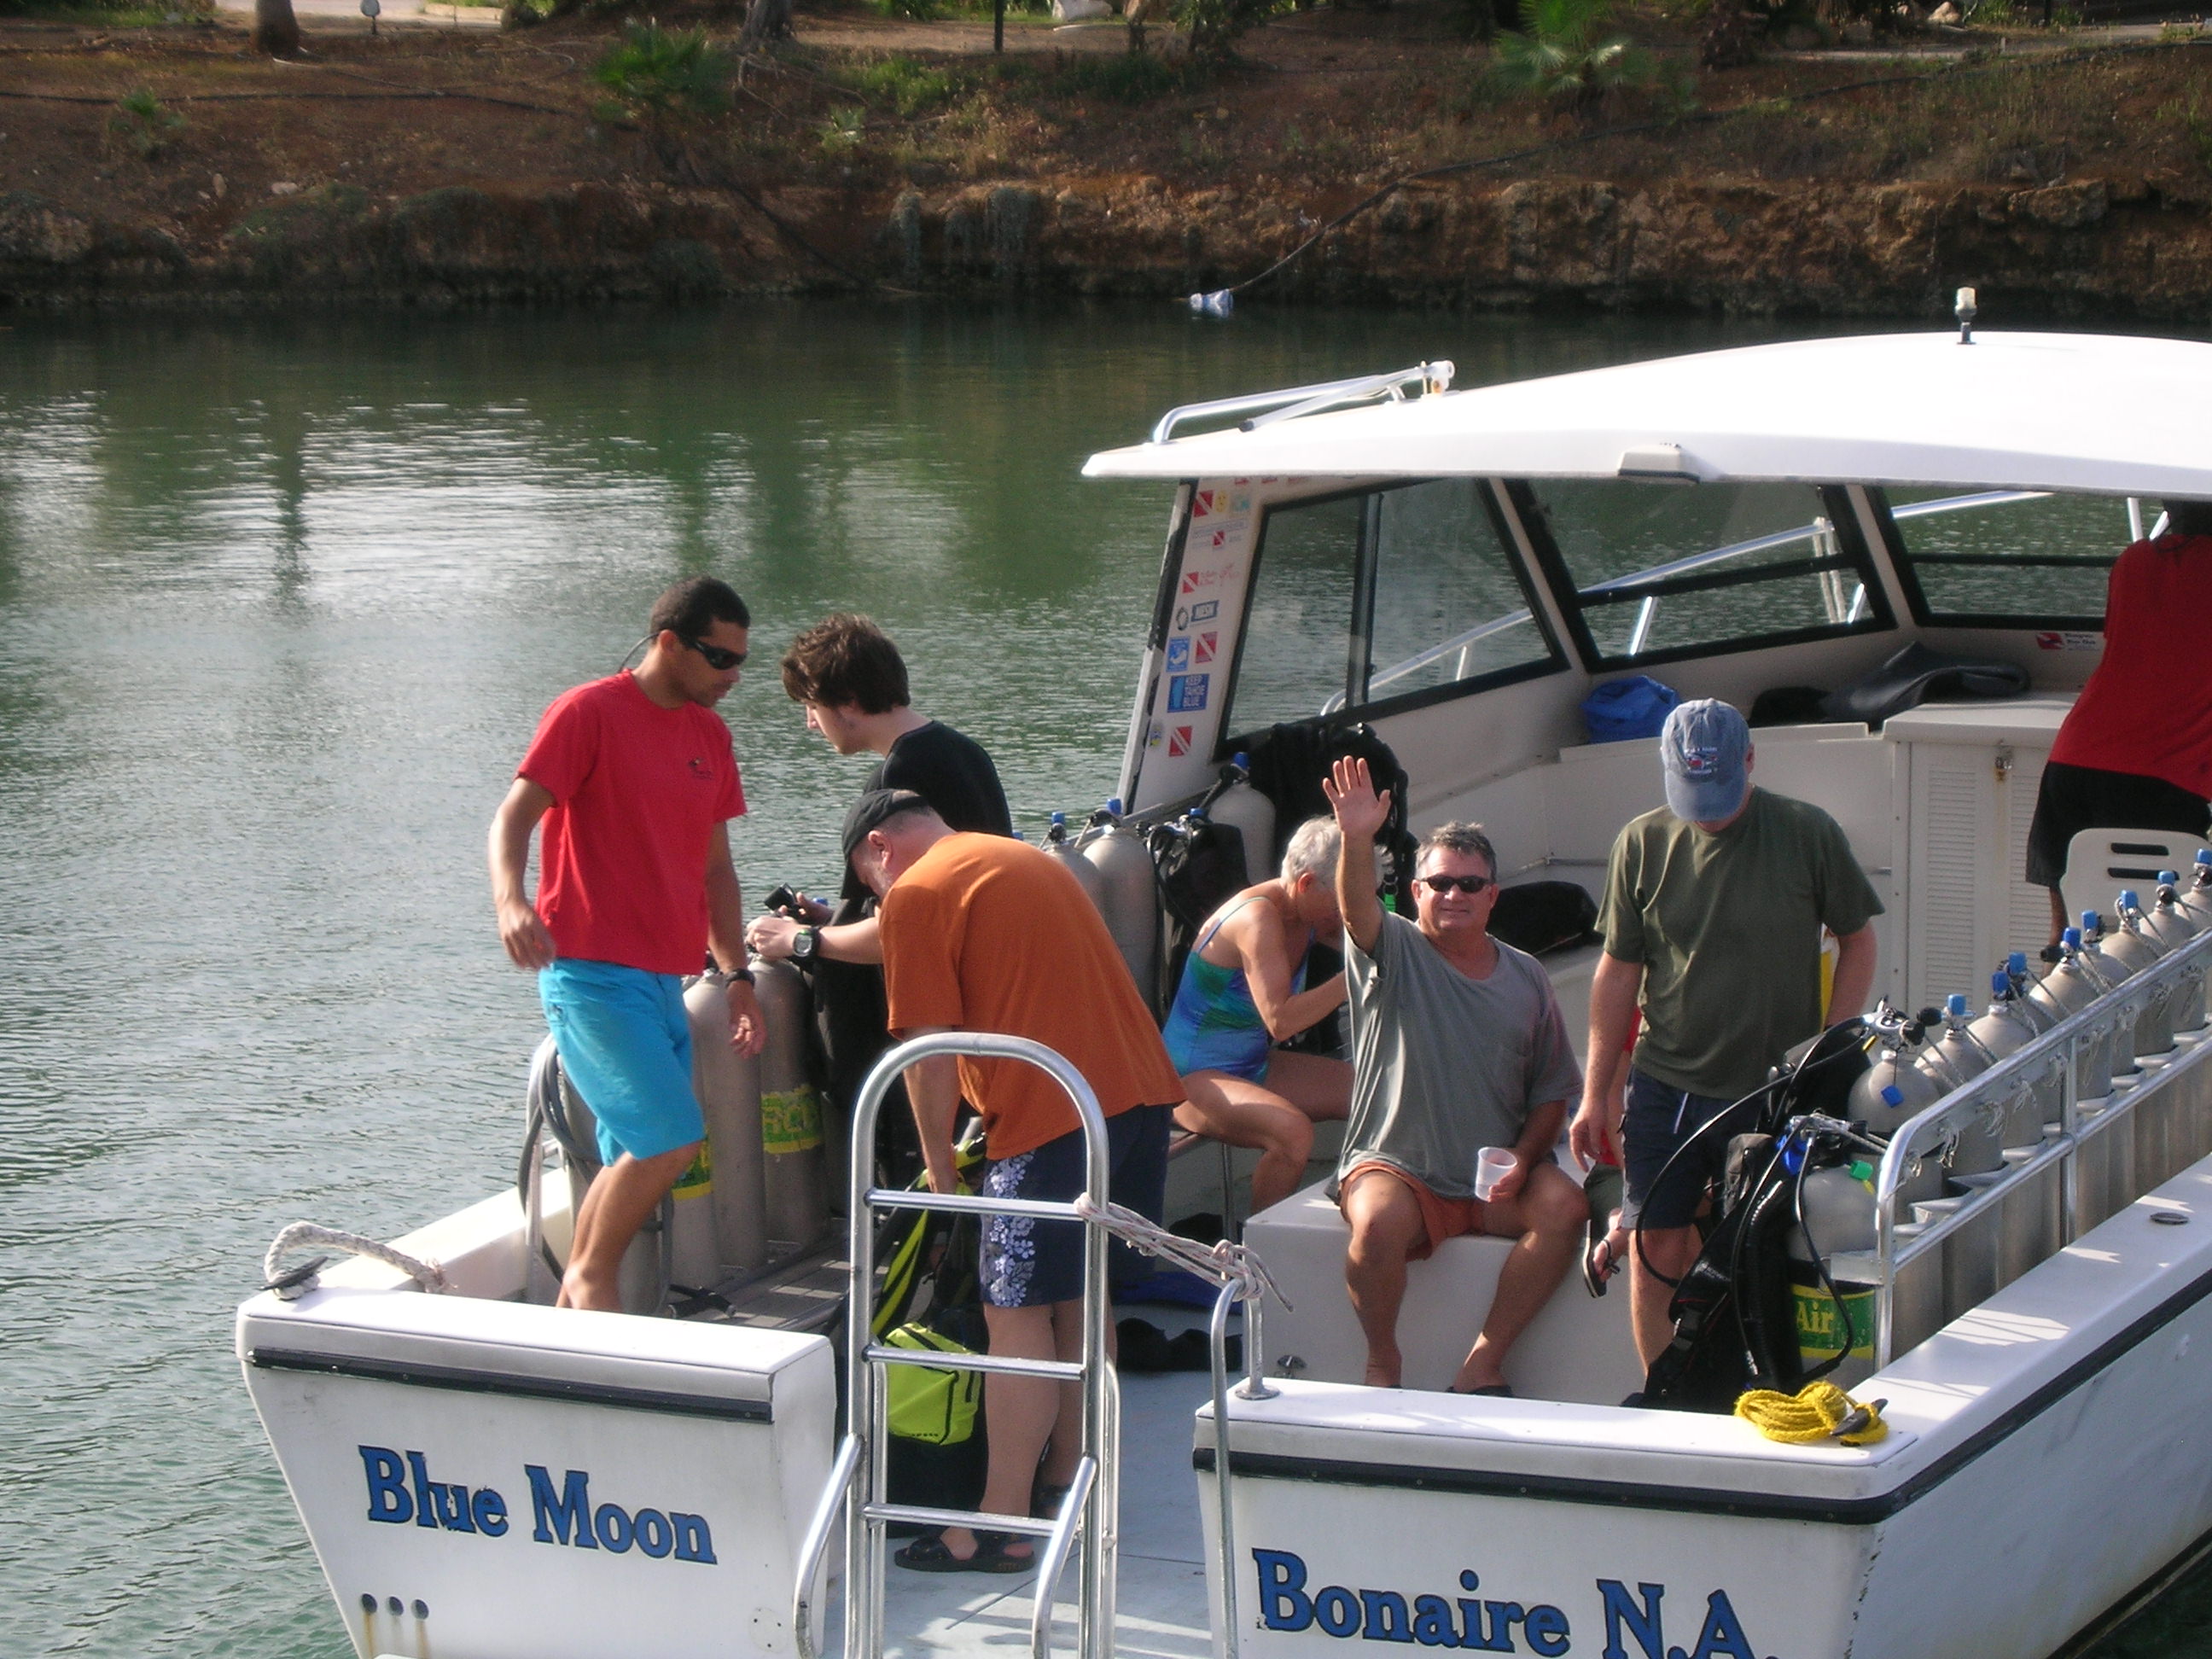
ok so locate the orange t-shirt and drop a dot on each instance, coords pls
(988, 934)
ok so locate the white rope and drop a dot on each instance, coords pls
(1224, 1263)
(428, 1275)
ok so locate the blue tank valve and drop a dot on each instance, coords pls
(2128, 901)
(2168, 878)
(2016, 963)
(1113, 804)
(2000, 983)
(1955, 1005)
(2204, 857)
(2071, 939)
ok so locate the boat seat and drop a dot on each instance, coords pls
(2100, 862)
(1578, 1348)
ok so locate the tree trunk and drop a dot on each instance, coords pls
(765, 21)
(276, 30)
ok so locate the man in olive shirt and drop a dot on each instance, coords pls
(1713, 910)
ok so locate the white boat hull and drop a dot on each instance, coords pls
(485, 1479)
(2047, 1453)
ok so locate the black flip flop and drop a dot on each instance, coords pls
(1594, 1277)
(929, 1555)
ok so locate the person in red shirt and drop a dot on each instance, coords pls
(2136, 750)
(634, 779)
(982, 933)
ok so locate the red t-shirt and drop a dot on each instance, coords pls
(988, 935)
(2146, 709)
(638, 792)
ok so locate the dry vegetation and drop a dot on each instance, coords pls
(181, 128)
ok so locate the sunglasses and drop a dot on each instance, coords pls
(1468, 884)
(720, 661)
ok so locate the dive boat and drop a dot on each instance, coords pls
(485, 1476)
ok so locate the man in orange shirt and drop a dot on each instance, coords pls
(983, 934)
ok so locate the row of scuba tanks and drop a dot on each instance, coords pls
(1118, 867)
(758, 1192)
(773, 1167)
(1917, 1060)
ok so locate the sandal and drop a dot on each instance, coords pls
(1598, 1265)
(928, 1555)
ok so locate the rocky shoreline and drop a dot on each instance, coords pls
(2099, 248)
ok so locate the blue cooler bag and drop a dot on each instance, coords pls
(1637, 707)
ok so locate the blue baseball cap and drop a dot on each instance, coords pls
(1705, 748)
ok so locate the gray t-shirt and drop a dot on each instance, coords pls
(1443, 1064)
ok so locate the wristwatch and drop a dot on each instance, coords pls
(805, 943)
(745, 974)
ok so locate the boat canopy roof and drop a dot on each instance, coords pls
(2100, 414)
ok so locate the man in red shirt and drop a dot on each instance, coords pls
(982, 933)
(635, 780)
(2136, 751)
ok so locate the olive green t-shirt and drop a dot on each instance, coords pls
(1727, 929)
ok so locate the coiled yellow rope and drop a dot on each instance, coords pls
(1818, 1411)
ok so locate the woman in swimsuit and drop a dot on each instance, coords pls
(1243, 991)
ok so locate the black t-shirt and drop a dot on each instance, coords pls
(952, 772)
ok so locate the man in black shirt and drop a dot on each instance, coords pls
(851, 680)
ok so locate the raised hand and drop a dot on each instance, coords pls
(1361, 811)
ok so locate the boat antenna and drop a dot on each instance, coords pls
(1965, 311)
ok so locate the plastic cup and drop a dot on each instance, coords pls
(1492, 1165)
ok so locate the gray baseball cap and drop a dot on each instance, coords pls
(1706, 748)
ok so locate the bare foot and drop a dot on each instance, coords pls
(1383, 1370)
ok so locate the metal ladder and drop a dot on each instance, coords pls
(855, 1485)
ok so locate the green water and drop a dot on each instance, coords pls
(279, 606)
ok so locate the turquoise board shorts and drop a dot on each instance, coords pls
(626, 1045)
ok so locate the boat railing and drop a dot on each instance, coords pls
(2082, 1124)
(857, 1488)
(1266, 408)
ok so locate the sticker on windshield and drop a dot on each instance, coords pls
(1205, 612)
(1178, 655)
(1201, 649)
(2069, 641)
(1186, 692)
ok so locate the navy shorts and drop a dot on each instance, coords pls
(1028, 1263)
(1659, 1118)
(2072, 799)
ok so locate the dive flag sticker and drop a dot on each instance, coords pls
(1202, 648)
(1204, 501)
(1178, 742)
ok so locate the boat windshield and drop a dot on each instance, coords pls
(1392, 595)
(1654, 572)
(2016, 558)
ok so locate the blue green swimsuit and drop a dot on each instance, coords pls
(1214, 1026)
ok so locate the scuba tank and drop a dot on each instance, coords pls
(1058, 848)
(1128, 892)
(1237, 805)
(1953, 1059)
(1892, 1091)
(728, 1087)
(2196, 897)
(2174, 926)
(2112, 970)
(791, 1111)
(1836, 1217)
(2038, 1017)
(2003, 1029)
(2132, 944)
(2069, 987)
